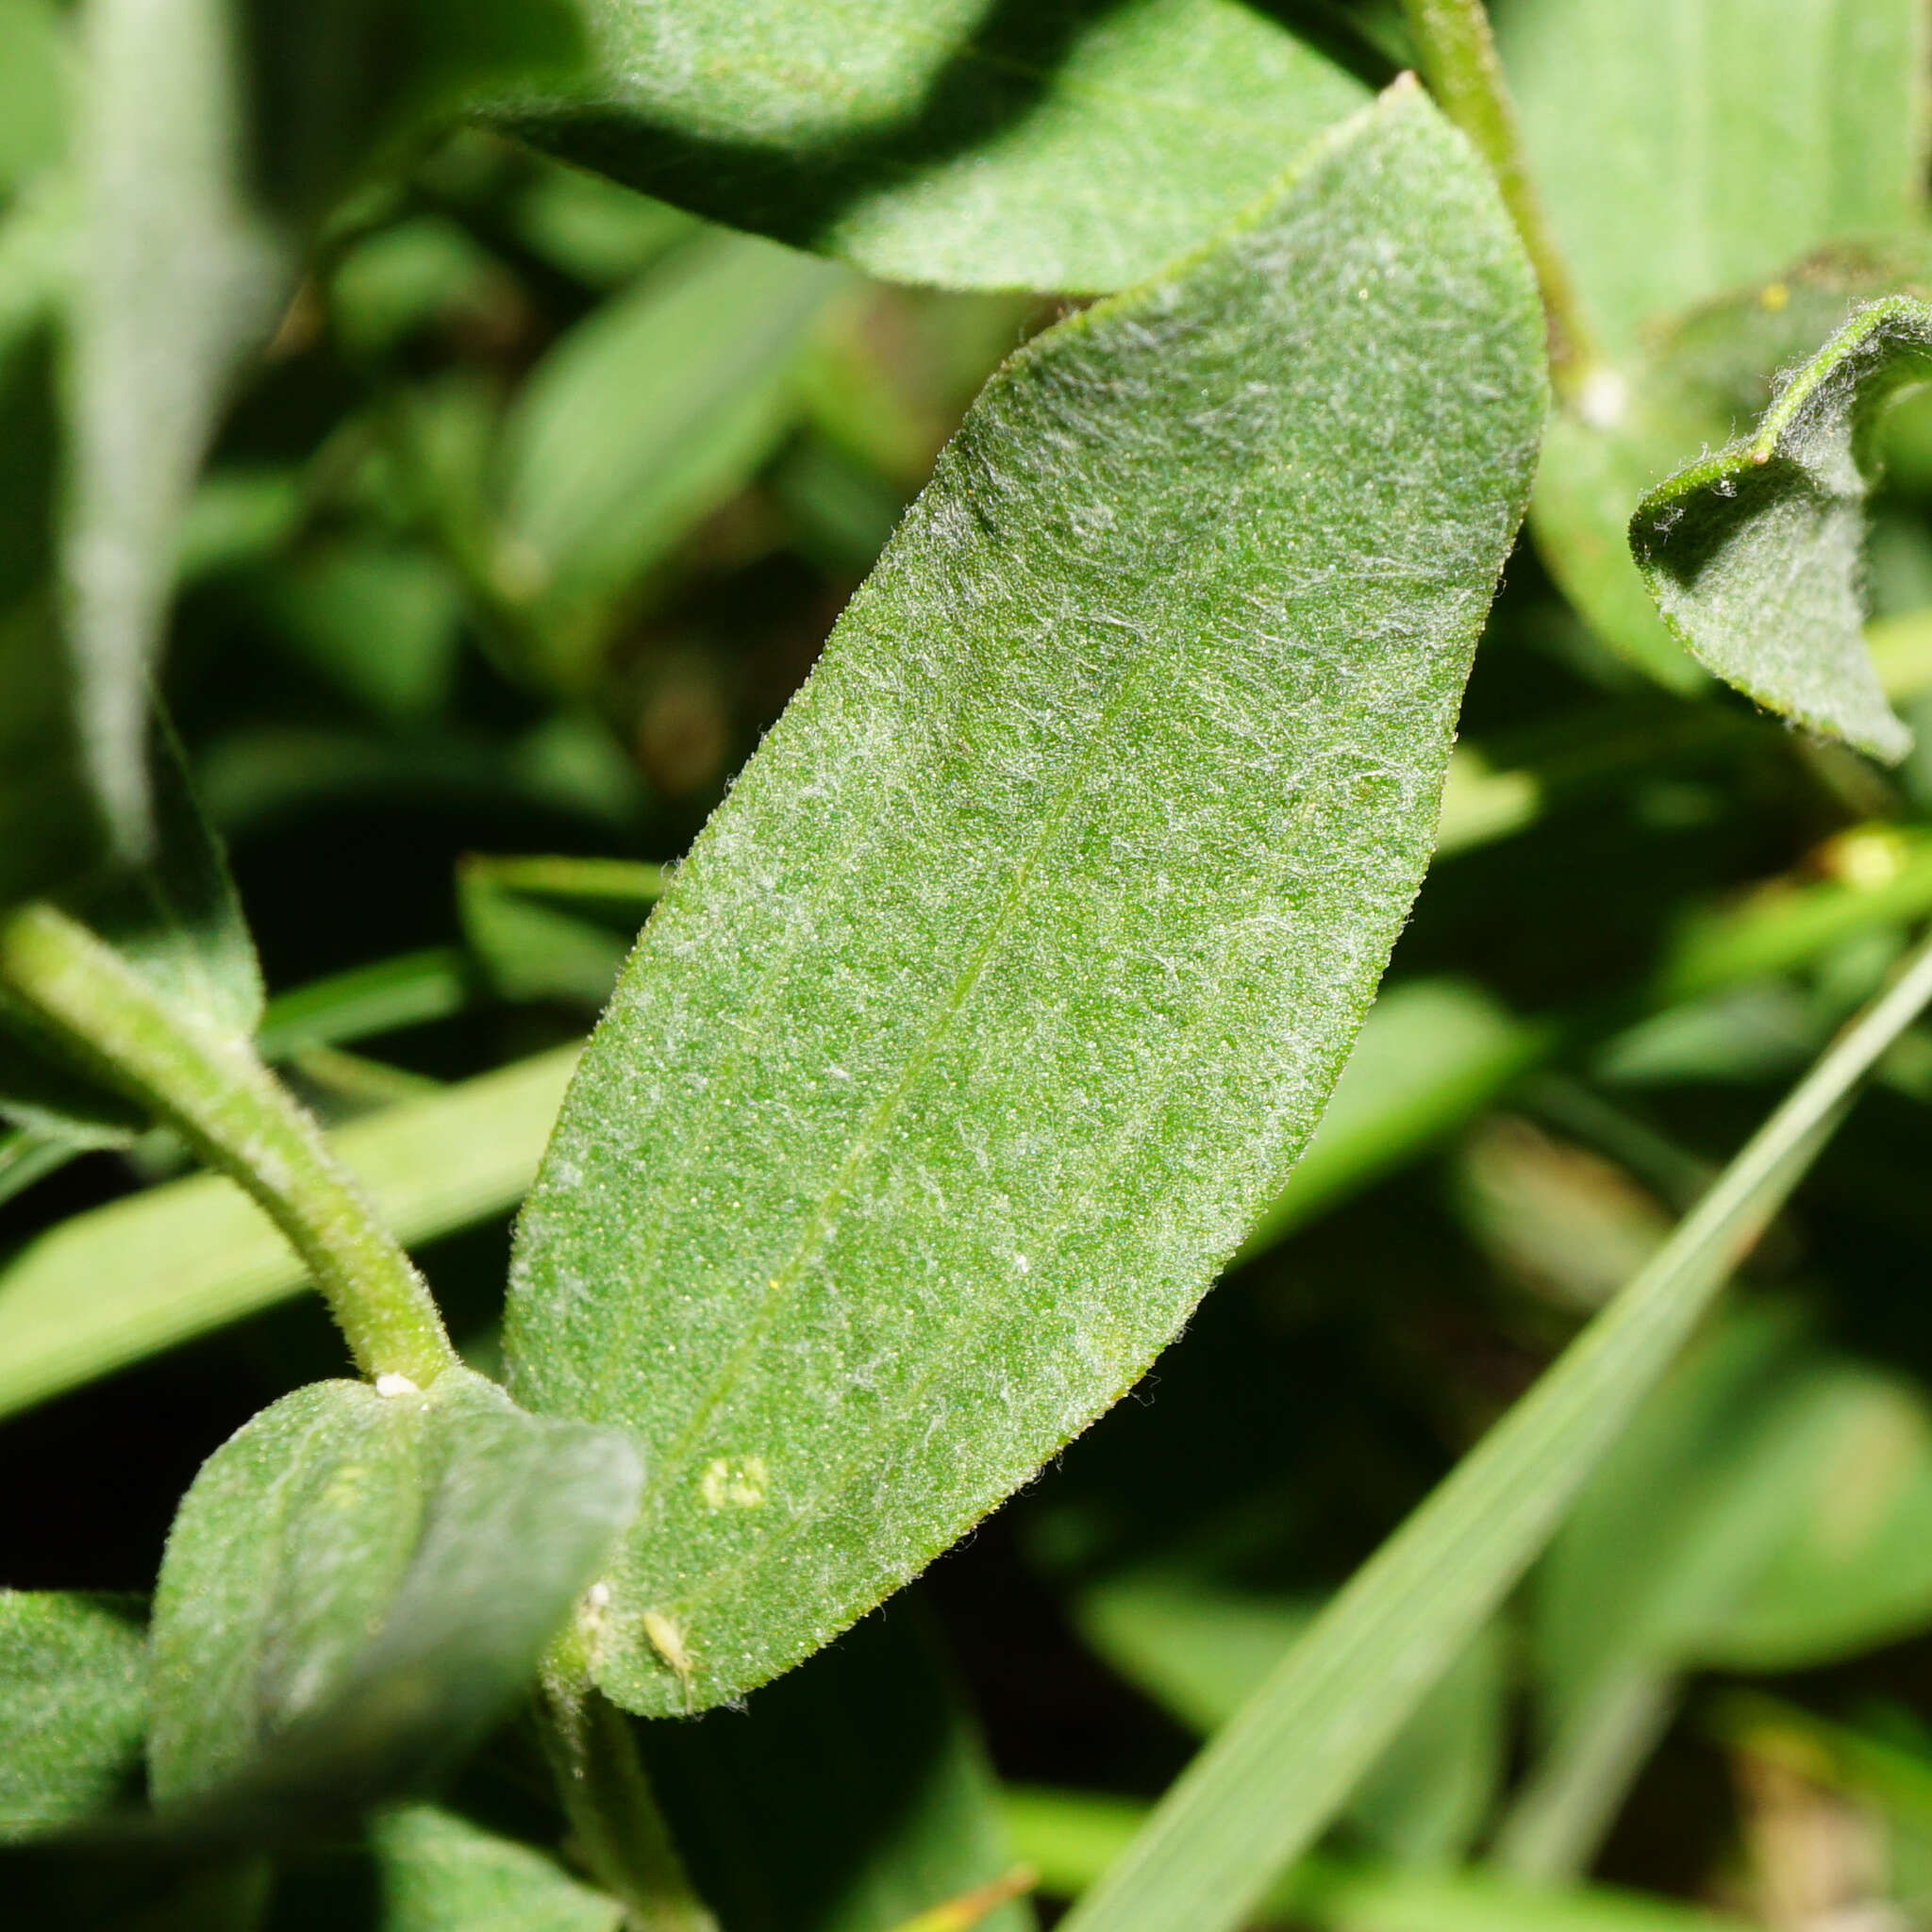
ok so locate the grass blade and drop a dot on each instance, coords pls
(1261, 1792)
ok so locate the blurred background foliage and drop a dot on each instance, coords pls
(535, 515)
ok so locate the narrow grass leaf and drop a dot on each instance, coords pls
(1269, 1783)
(1754, 555)
(73, 1706)
(1055, 145)
(1034, 937)
(357, 1584)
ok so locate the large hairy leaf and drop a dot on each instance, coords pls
(1686, 146)
(1753, 554)
(1006, 986)
(357, 1583)
(1069, 144)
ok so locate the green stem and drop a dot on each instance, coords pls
(1272, 1780)
(608, 1798)
(1459, 61)
(239, 1118)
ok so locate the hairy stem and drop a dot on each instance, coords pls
(606, 1795)
(239, 1118)
(1459, 59)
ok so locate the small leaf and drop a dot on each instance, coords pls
(1753, 554)
(1781, 127)
(358, 1583)
(73, 1707)
(1037, 932)
(1055, 145)
(846, 1797)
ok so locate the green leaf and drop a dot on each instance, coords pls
(649, 414)
(1269, 1781)
(846, 1797)
(114, 1284)
(1682, 394)
(382, 998)
(359, 1583)
(1053, 145)
(1686, 146)
(1038, 930)
(73, 1707)
(438, 1873)
(1201, 1651)
(1753, 554)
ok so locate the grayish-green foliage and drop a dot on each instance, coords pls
(1686, 146)
(1033, 939)
(846, 1797)
(73, 1706)
(974, 143)
(357, 1583)
(1753, 554)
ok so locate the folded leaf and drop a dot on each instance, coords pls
(1059, 144)
(1753, 554)
(356, 1586)
(1034, 937)
(73, 1706)
(1683, 394)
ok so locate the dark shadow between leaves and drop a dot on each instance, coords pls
(989, 84)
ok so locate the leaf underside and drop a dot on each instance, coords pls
(1753, 554)
(1059, 144)
(1035, 935)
